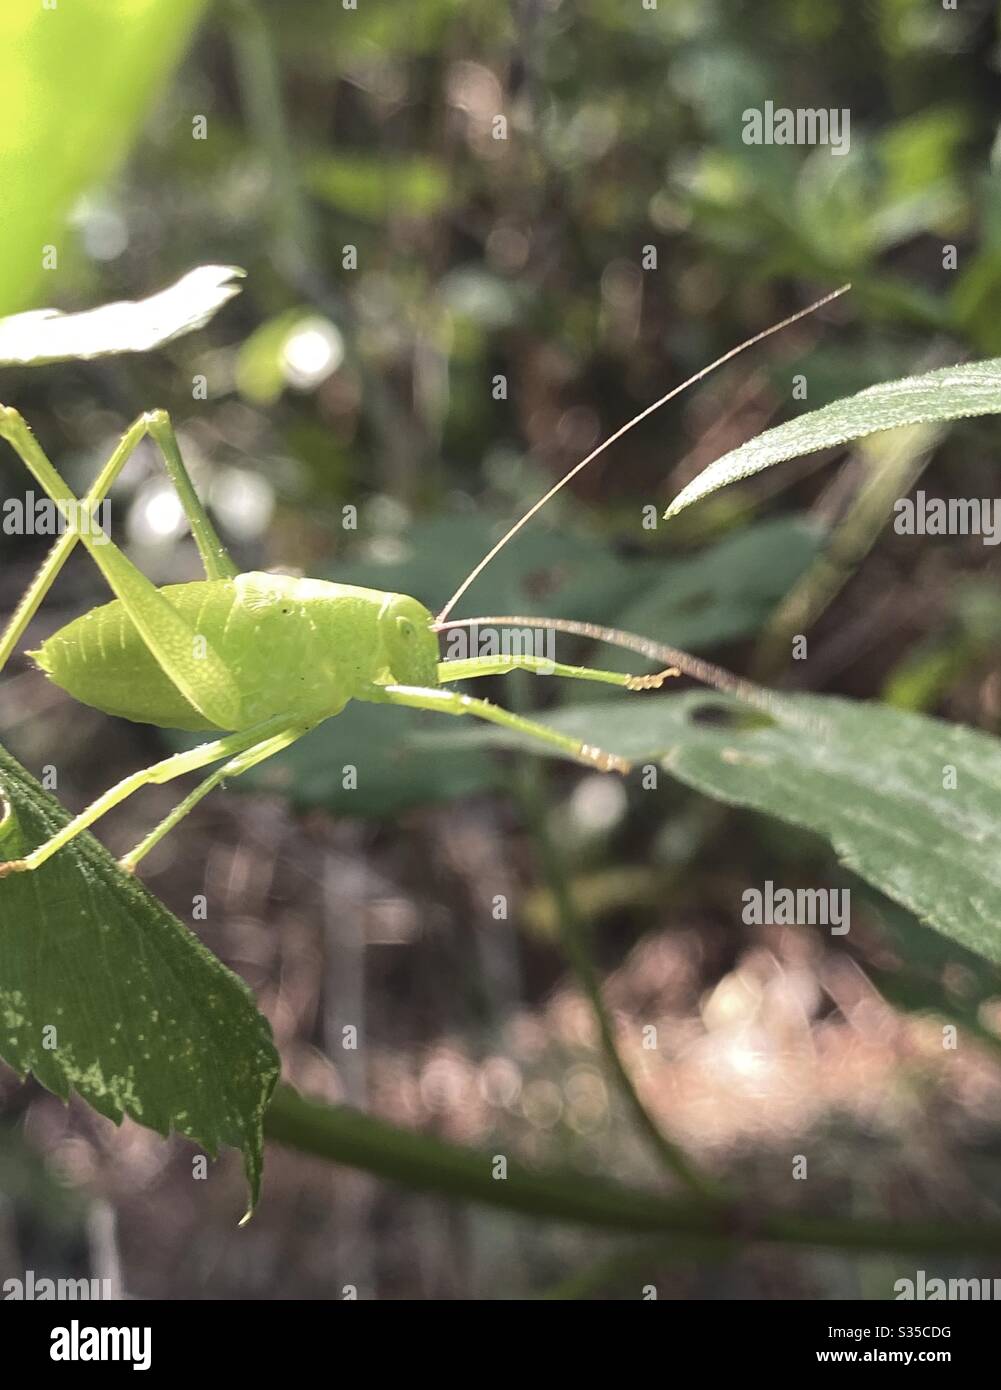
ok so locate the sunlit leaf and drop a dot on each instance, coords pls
(129, 325)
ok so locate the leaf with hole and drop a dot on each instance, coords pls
(911, 804)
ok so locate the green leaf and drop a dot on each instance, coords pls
(866, 777)
(77, 80)
(103, 992)
(129, 325)
(929, 973)
(950, 393)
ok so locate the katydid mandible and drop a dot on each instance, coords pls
(259, 660)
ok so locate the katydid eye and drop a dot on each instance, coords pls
(405, 627)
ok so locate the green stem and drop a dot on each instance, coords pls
(423, 1163)
(530, 791)
(294, 239)
(348, 1136)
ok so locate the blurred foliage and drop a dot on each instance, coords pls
(60, 139)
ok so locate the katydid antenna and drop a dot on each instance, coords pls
(613, 438)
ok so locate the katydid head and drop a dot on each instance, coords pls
(409, 642)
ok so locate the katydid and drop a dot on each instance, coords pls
(259, 660)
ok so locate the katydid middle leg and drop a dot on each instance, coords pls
(451, 702)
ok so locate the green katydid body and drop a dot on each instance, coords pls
(296, 647)
(259, 659)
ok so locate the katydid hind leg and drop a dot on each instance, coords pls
(185, 656)
(63, 548)
(242, 762)
(164, 771)
(215, 559)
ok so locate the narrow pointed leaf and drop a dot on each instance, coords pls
(78, 81)
(950, 393)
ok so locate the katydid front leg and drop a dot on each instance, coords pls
(541, 666)
(451, 702)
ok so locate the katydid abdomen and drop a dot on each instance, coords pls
(301, 647)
